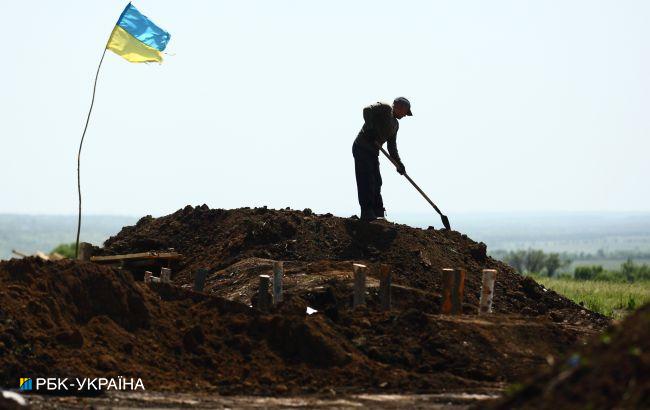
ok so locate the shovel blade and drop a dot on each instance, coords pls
(445, 222)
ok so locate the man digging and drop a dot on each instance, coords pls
(380, 126)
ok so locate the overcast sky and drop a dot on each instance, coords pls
(518, 105)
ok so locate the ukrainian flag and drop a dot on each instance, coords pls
(136, 38)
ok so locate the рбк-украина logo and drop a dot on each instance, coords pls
(80, 384)
(25, 384)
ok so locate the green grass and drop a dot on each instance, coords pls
(608, 298)
(66, 249)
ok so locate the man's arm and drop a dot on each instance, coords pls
(392, 150)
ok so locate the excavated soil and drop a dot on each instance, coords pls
(218, 239)
(80, 319)
(612, 372)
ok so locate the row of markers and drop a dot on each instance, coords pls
(453, 287)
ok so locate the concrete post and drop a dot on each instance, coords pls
(199, 279)
(384, 287)
(359, 297)
(453, 287)
(85, 251)
(278, 273)
(165, 275)
(487, 291)
(263, 295)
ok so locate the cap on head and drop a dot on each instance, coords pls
(405, 102)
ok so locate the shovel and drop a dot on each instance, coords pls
(445, 220)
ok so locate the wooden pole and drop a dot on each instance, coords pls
(359, 297)
(278, 273)
(81, 143)
(165, 275)
(453, 287)
(263, 295)
(447, 285)
(487, 291)
(199, 279)
(85, 251)
(384, 287)
(459, 291)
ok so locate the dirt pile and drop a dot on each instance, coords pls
(612, 372)
(79, 319)
(72, 319)
(222, 240)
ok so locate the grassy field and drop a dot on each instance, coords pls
(609, 298)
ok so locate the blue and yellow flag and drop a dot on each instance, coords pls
(136, 38)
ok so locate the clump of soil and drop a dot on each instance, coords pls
(612, 372)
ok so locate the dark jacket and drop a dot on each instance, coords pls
(380, 126)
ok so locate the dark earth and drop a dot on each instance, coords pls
(81, 319)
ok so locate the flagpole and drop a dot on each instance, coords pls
(83, 135)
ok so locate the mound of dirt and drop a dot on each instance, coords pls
(220, 240)
(79, 319)
(612, 372)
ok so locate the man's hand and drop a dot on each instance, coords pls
(401, 169)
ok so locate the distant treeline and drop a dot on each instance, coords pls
(629, 272)
(540, 263)
(533, 261)
(602, 254)
(581, 256)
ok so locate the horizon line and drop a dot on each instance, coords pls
(397, 213)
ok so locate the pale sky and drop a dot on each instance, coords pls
(518, 105)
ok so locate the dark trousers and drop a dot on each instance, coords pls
(366, 169)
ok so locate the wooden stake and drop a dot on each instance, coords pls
(487, 291)
(447, 285)
(453, 287)
(459, 291)
(199, 279)
(85, 251)
(165, 275)
(278, 273)
(384, 287)
(263, 295)
(81, 143)
(359, 284)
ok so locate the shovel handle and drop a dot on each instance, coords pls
(411, 181)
